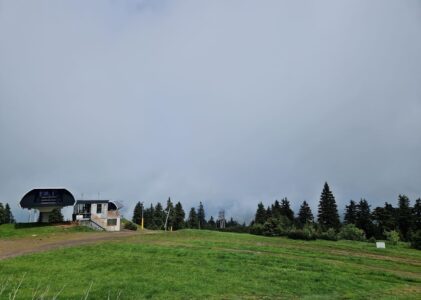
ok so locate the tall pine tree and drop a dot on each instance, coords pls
(305, 215)
(328, 216)
(201, 216)
(2, 214)
(260, 217)
(404, 216)
(416, 215)
(363, 218)
(286, 209)
(8, 216)
(179, 217)
(158, 216)
(148, 218)
(211, 223)
(137, 213)
(350, 213)
(193, 221)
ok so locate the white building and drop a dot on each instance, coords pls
(98, 214)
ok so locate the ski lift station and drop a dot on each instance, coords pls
(97, 214)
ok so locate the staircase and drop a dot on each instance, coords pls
(91, 224)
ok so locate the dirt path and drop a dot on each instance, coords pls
(16, 247)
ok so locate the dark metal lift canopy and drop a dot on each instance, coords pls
(47, 197)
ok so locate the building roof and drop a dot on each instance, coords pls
(47, 197)
(91, 201)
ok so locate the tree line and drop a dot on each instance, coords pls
(6, 216)
(278, 219)
(360, 222)
(155, 216)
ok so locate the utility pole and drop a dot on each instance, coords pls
(142, 222)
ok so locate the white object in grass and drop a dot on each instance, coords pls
(380, 245)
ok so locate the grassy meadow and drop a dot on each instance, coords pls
(204, 264)
(39, 229)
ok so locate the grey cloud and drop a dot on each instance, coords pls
(224, 102)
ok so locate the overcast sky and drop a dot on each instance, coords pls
(225, 102)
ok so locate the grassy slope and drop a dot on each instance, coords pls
(198, 264)
(23, 230)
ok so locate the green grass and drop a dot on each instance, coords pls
(203, 264)
(29, 229)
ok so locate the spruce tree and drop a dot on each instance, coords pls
(193, 221)
(179, 217)
(260, 217)
(148, 218)
(305, 215)
(158, 216)
(137, 213)
(416, 215)
(8, 216)
(201, 216)
(363, 218)
(55, 216)
(211, 223)
(276, 209)
(384, 220)
(286, 210)
(2, 214)
(350, 213)
(268, 213)
(328, 216)
(404, 216)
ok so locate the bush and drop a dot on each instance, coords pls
(392, 236)
(351, 232)
(130, 226)
(274, 227)
(329, 235)
(256, 229)
(307, 233)
(416, 240)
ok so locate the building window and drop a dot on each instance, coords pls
(111, 222)
(98, 208)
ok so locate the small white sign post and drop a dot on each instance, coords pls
(380, 245)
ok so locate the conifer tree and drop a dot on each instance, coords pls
(416, 215)
(404, 216)
(363, 218)
(305, 215)
(8, 216)
(137, 213)
(201, 216)
(2, 214)
(260, 217)
(286, 209)
(179, 217)
(193, 221)
(158, 216)
(350, 213)
(328, 216)
(55, 216)
(268, 213)
(211, 223)
(276, 209)
(384, 219)
(148, 218)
